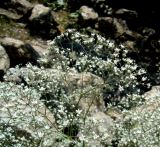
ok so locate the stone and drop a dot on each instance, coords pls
(93, 98)
(102, 126)
(112, 26)
(152, 101)
(88, 13)
(4, 62)
(88, 16)
(126, 14)
(22, 6)
(19, 6)
(120, 27)
(18, 51)
(40, 46)
(9, 14)
(39, 11)
(41, 22)
(105, 25)
(116, 28)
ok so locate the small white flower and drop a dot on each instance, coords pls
(78, 111)
(82, 137)
(40, 134)
(144, 78)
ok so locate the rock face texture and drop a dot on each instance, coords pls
(26, 27)
(19, 6)
(42, 22)
(4, 61)
(18, 51)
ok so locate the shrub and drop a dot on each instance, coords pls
(93, 53)
(140, 127)
(63, 97)
(59, 88)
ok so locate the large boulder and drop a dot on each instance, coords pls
(18, 51)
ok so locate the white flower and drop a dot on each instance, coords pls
(78, 112)
(82, 137)
(40, 134)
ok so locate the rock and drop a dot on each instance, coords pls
(87, 16)
(126, 14)
(9, 14)
(88, 13)
(154, 92)
(130, 45)
(18, 51)
(20, 6)
(4, 62)
(112, 26)
(93, 97)
(116, 28)
(4, 59)
(40, 46)
(39, 11)
(88, 84)
(105, 25)
(42, 22)
(152, 101)
(100, 134)
(120, 27)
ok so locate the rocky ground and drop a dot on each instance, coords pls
(26, 27)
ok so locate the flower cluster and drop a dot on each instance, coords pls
(93, 53)
(140, 126)
(60, 102)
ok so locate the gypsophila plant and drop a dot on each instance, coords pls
(63, 96)
(140, 126)
(93, 53)
(23, 119)
(60, 102)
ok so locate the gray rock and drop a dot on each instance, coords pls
(153, 93)
(41, 22)
(40, 46)
(117, 28)
(18, 51)
(9, 14)
(105, 25)
(20, 6)
(39, 11)
(126, 14)
(112, 26)
(120, 27)
(4, 60)
(88, 13)
(100, 134)
(88, 16)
